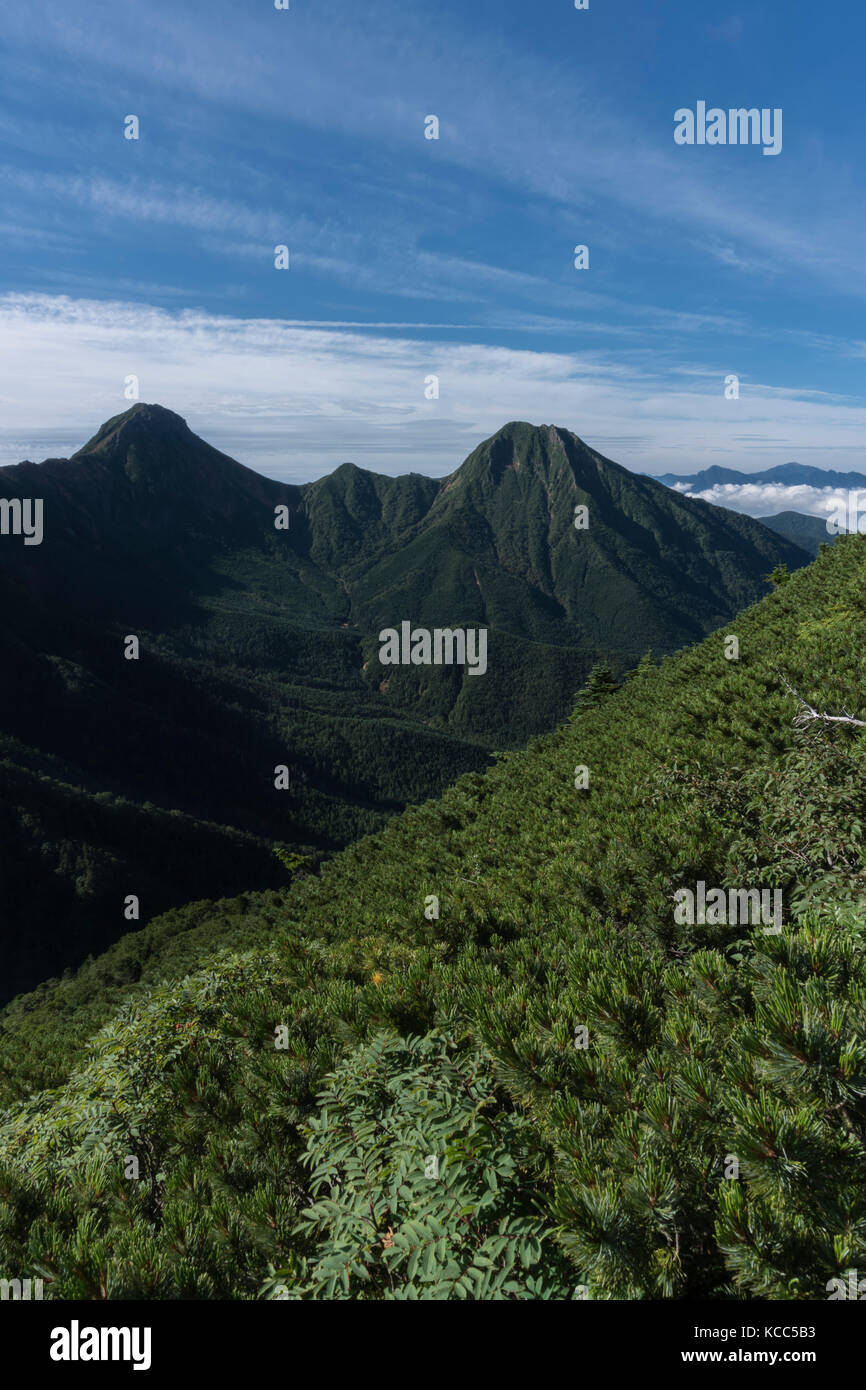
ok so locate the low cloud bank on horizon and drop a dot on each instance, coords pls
(767, 499)
(295, 399)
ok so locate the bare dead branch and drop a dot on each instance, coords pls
(808, 712)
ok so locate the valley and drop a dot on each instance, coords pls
(258, 607)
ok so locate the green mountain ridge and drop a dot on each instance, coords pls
(259, 649)
(804, 530)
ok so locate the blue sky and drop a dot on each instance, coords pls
(453, 257)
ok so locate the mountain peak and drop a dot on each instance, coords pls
(150, 454)
(522, 432)
(544, 452)
(142, 419)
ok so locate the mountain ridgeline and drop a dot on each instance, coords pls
(785, 474)
(258, 648)
(809, 532)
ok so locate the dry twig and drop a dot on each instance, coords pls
(808, 712)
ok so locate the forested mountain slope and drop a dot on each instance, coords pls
(259, 649)
(477, 1055)
(809, 532)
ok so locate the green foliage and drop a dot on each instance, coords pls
(707, 1141)
(796, 1085)
(295, 863)
(260, 649)
(599, 683)
(420, 1181)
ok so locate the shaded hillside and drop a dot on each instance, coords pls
(809, 532)
(259, 650)
(498, 981)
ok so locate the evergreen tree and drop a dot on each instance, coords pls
(600, 683)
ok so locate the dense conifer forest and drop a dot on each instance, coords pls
(478, 1054)
(258, 649)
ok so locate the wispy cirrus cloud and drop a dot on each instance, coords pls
(597, 147)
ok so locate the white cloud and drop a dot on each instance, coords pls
(766, 499)
(294, 399)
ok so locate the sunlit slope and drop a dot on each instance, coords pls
(555, 914)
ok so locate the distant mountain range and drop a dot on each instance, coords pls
(788, 474)
(802, 528)
(259, 648)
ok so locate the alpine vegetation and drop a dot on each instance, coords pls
(472, 1056)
